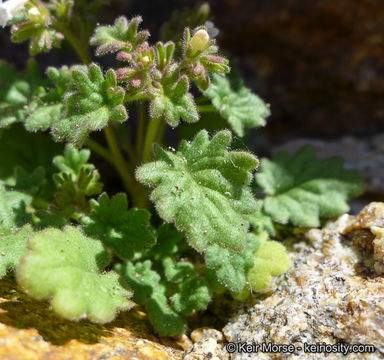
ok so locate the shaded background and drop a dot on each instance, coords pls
(320, 64)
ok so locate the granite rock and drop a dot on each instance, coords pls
(332, 293)
(29, 330)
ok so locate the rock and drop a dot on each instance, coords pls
(207, 348)
(29, 330)
(206, 332)
(330, 294)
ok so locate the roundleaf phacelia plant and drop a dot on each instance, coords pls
(167, 228)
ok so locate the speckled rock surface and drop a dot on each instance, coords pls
(206, 349)
(331, 293)
(30, 331)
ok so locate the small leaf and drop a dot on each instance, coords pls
(72, 160)
(141, 279)
(13, 210)
(164, 319)
(203, 191)
(125, 231)
(122, 35)
(194, 295)
(232, 268)
(270, 259)
(260, 221)
(237, 104)
(12, 247)
(173, 102)
(48, 107)
(90, 107)
(19, 92)
(65, 268)
(301, 188)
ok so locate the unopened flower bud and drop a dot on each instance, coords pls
(145, 60)
(200, 39)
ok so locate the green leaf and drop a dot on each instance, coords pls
(237, 104)
(72, 161)
(150, 291)
(122, 35)
(65, 267)
(141, 279)
(232, 268)
(18, 148)
(124, 231)
(164, 319)
(48, 108)
(19, 91)
(13, 210)
(203, 188)
(77, 179)
(167, 240)
(12, 247)
(194, 295)
(95, 102)
(301, 188)
(270, 259)
(260, 221)
(173, 102)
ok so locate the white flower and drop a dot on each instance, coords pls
(8, 10)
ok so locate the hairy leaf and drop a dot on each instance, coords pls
(260, 221)
(72, 161)
(173, 102)
(19, 92)
(125, 231)
(13, 210)
(164, 319)
(122, 35)
(203, 189)
(237, 104)
(232, 268)
(12, 247)
(150, 291)
(301, 188)
(48, 108)
(65, 267)
(95, 102)
(77, 179)
(270, 259)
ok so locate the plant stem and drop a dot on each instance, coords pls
(81, 50)
(150, 138)
(121, 165)
(206, 108)
(140, 128)
(100, 150)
